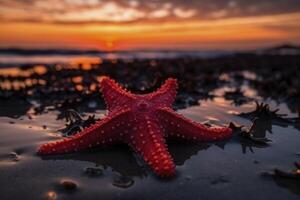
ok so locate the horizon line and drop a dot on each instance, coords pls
(4, 50)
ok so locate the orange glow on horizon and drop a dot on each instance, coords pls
(233, 33)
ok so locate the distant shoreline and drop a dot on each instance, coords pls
(57, 51)
(10, 57)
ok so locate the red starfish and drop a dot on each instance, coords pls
(141, 121)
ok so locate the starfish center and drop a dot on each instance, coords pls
(143, 106)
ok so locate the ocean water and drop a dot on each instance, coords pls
(11, 59)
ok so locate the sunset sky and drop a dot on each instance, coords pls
(134, 24)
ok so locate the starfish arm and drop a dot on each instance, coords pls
(149, 143)
(104, 132)
(182, 128)
(114, 95)
(166, 94)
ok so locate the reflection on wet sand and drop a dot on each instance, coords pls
(291, 185)
(287, 179)
(128, 170)
(250, 138)
(112, 157)
(108, 158)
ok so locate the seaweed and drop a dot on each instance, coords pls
(76, 123)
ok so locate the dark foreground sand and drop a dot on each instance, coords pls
(204, 171)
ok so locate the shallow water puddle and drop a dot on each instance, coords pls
(204, 171)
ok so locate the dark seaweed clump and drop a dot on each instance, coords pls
(76, 123)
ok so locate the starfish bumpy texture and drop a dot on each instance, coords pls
(141, 121)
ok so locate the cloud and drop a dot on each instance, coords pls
(127, 11)
(161, 13)
(108, 12)
(219, 13)
(184, 13)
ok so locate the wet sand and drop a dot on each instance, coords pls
(214, 171)
(238, 168)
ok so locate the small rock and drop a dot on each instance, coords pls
(123, 182)
(44, 127)
(68, 185)
(11, 122)
(256, 162)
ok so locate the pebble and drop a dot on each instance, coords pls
(123, 182)
(68, 185)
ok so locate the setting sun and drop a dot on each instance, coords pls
(110, 45)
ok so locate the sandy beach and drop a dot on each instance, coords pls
(35, 101)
